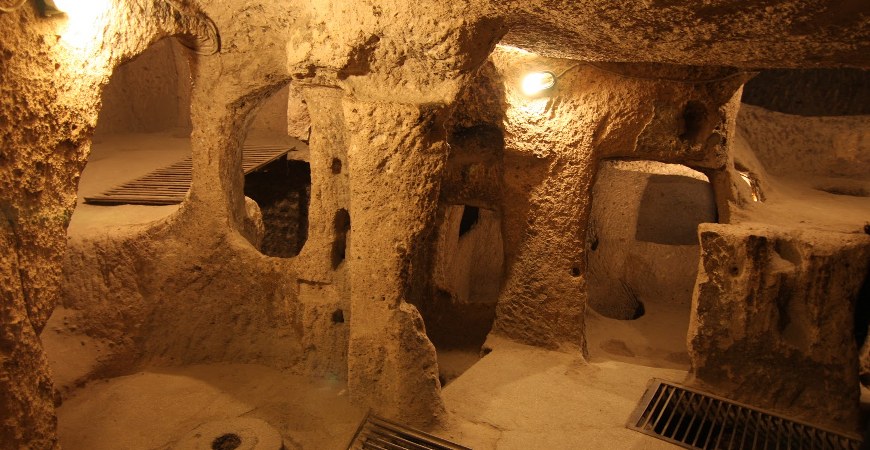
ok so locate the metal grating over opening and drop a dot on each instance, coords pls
(375, 433)
(693, 419)
(169, 185)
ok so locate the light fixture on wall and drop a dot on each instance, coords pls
(536, 82)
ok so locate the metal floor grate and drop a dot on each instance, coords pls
(380, 434)
(694, 419)
(169, 185)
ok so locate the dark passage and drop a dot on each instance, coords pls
(470, 216)
(282, 189)
(341, 224)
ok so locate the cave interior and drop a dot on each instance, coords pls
(492, 221)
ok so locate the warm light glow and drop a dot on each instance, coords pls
(537, 82)
(83, 17)
(752, 183)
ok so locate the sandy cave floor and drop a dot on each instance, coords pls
(656, 339)
(516, 397)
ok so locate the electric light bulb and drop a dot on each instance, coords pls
(81, 27)
(82, 8)
(537, 82)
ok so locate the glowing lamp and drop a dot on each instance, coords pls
(537, 82)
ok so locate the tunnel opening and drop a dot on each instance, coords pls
(467, 277)
(470, 217)
(643, 252)
(282, 188)
(143, 126)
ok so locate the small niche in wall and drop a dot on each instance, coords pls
(694, 120)
(341, 225)
(470, 217)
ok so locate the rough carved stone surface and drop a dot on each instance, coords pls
(769, 319)
(779, 33)
(811, 92)
(790, 145)
(396, 154)
(552, 148)
(51, 81)
(169, 292)
(642, 246)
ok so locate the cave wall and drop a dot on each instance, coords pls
(271, 118)
(772, 319)
(810, 92)
(150, 93)
(193, 287)
(553, 145)
(50, 96)
(818, 146)
(297, 312)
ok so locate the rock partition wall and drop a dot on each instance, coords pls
(51, 72)
(298, 313)
(772, 319)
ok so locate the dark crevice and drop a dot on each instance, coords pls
(282, 190)
(470, 217)
(694, 119)
(341, 225)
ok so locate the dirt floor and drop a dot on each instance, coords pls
(522, 397)
(157, 409)
(515, 397)
(656, 339)
(117, 159)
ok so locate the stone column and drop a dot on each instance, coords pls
(329, 183)
(544, 299)
(324, 289)
(396, 153)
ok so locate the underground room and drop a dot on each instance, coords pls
(466, 224)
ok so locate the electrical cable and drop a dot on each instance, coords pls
(213, 33)
(13, 8)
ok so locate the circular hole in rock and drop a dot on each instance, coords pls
(227, 441)
(575, 271)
